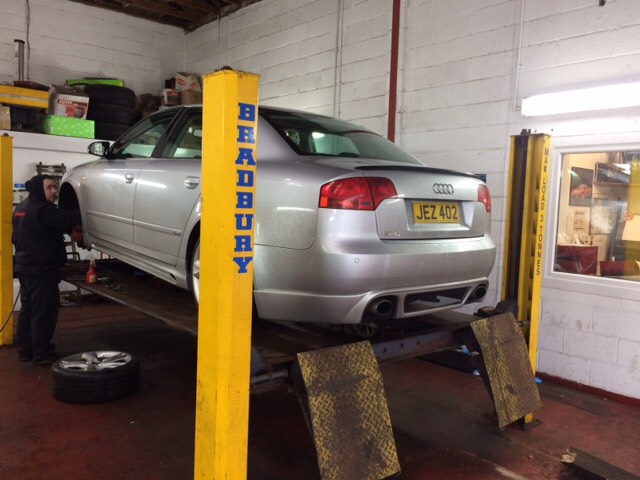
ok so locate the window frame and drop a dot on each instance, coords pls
(585, 284)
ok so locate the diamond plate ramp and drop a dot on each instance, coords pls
(513, 387)
(348, 413)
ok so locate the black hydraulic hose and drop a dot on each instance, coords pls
(11, 312)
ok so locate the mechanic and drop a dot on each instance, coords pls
(38, 235)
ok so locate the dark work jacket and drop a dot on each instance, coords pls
(38, 235)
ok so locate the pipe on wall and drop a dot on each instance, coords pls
(337, 84)
(393, 71)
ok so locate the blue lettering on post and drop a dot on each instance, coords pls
(245, 178)
(243, 243)
(244, 221)
(247, 112)
(242, 263)
(245, 134)
(246, 163)
(245, 157)
(245, 200)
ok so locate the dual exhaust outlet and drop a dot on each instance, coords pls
(383, 307)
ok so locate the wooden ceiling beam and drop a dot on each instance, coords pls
(197, 5)
(185, 14)
(157, 7)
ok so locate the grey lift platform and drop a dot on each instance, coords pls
(336, 377)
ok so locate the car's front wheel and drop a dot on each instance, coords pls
(195, 272)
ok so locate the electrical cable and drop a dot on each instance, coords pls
(11, 312)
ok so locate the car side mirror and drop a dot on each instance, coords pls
(98, 148)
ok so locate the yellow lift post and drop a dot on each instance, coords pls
(230, 120)
(525, 232)
(6, 249)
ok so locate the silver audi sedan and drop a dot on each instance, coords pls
(350, 229)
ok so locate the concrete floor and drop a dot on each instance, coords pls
(442, 418)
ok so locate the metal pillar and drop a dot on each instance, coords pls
(6, 248)
(525, 232)
(226, 283)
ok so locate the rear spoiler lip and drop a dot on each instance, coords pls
(409, 168)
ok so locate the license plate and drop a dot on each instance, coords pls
(436, 212)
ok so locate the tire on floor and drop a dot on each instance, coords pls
(94, 377)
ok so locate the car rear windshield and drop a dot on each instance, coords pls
(310, 134)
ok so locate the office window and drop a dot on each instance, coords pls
(599, 215)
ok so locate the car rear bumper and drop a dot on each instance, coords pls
(383, 305)
(344, 283)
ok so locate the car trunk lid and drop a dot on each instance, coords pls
(431, 203)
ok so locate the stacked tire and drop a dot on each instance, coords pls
(112, 109)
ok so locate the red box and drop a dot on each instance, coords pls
(170, 97)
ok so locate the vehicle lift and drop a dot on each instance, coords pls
(331, 371)
(337, 379)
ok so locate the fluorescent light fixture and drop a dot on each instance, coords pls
(584, 100)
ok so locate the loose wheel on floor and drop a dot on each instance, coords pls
(94, 377)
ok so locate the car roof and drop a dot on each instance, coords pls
(261, 107)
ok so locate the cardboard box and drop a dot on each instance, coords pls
(170, 96)
(24, 97)
(68, 102)
(190, 97)
(68, 127)
(187, 81)
(5, 118)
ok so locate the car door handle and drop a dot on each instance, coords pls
(191, 182)
(129, 177)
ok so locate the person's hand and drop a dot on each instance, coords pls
(76, 233)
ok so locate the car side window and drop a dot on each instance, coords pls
(142, 139)
(186, 141)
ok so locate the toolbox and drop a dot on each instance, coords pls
(24, 97)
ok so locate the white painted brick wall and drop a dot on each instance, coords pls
(293, 47)
(70, 40)
(629, 354)
(601, 332)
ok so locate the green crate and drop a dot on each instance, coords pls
(68, 127)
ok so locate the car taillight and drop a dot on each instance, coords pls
(356, 193)
(485, 197)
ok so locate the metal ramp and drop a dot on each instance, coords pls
(347, 411)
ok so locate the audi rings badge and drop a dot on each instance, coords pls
(443, 188)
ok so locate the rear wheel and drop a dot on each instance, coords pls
(367, 330)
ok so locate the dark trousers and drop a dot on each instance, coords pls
(40, 300)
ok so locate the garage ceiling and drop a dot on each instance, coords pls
(186, 14)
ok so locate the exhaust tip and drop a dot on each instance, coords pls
(479, 292)
(381, 307)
